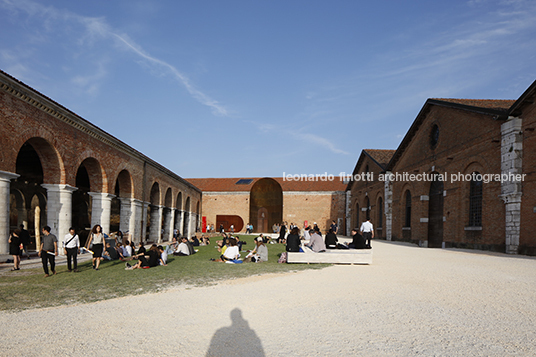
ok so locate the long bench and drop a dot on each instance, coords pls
(332, 256)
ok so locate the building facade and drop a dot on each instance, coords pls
(463, 176)
(58, 169)
(264, 202)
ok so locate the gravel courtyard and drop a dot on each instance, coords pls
(410, 301)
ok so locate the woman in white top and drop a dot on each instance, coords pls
(232, 252)
(97, 238)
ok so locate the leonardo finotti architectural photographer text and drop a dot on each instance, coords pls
(406, 176)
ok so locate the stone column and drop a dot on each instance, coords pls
(171, 225)
(145, 206)
(59, 209)
(125, 215)
(179, 218)
(5, 183)
(511, 189)
(155, 232)
(134, 224)
(168, 224)
(186, 225)
(101, 207)
(388, 206)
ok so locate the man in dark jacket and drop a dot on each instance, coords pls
(358, 242)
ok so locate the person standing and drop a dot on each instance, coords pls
(71, 247)
(334, 227)
(14, 248)
(25, 239)
(368, 232)
(97, 238)
(48, 250)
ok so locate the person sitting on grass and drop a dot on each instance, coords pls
(205, 241)
(170, 249)
(127, 250)
(183, 249)
(259, 254)
(293, 240)
(141, 250)
(231, 253)
(163, 255)
(110, 253)
(151, 259)
(195, 241)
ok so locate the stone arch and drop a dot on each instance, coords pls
(37, 162)
(155, 194)
(52, 166)
(124, 184)
(96, 175)
(266, 193)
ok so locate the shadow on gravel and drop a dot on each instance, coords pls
(236, 340)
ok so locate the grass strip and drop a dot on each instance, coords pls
(28, 289)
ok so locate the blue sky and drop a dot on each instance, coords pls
(257, 88)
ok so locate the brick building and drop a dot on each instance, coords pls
(58, 169)
(263, 202)
(463, 176)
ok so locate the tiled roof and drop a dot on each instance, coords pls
(497, 104)
(381, 156)
(229, 184)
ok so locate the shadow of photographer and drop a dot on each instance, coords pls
(235, 340)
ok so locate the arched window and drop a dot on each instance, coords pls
(407, 221)
(475, 202)
(380, 213)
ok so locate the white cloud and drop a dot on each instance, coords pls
(96, 29)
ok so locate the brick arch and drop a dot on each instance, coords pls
(178, 202)
(155, 194)
(187, 205)
(168, 200)
(124, 180)
(474, 166)
(267, 194)
(51, 161)
(98, 181)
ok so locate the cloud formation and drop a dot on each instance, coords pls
(97, 29)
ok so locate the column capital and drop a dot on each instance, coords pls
(102, 195)
(53, 187)
(7, 176)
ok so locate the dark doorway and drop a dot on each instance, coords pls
(435, 215)
(262, 220)
(266, 193)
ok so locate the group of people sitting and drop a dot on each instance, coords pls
(184, 247)
(230, 247)
(318, 245)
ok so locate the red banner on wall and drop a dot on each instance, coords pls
(204, 224)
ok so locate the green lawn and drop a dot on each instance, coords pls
(27, 289)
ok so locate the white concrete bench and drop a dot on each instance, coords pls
(332, 256)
